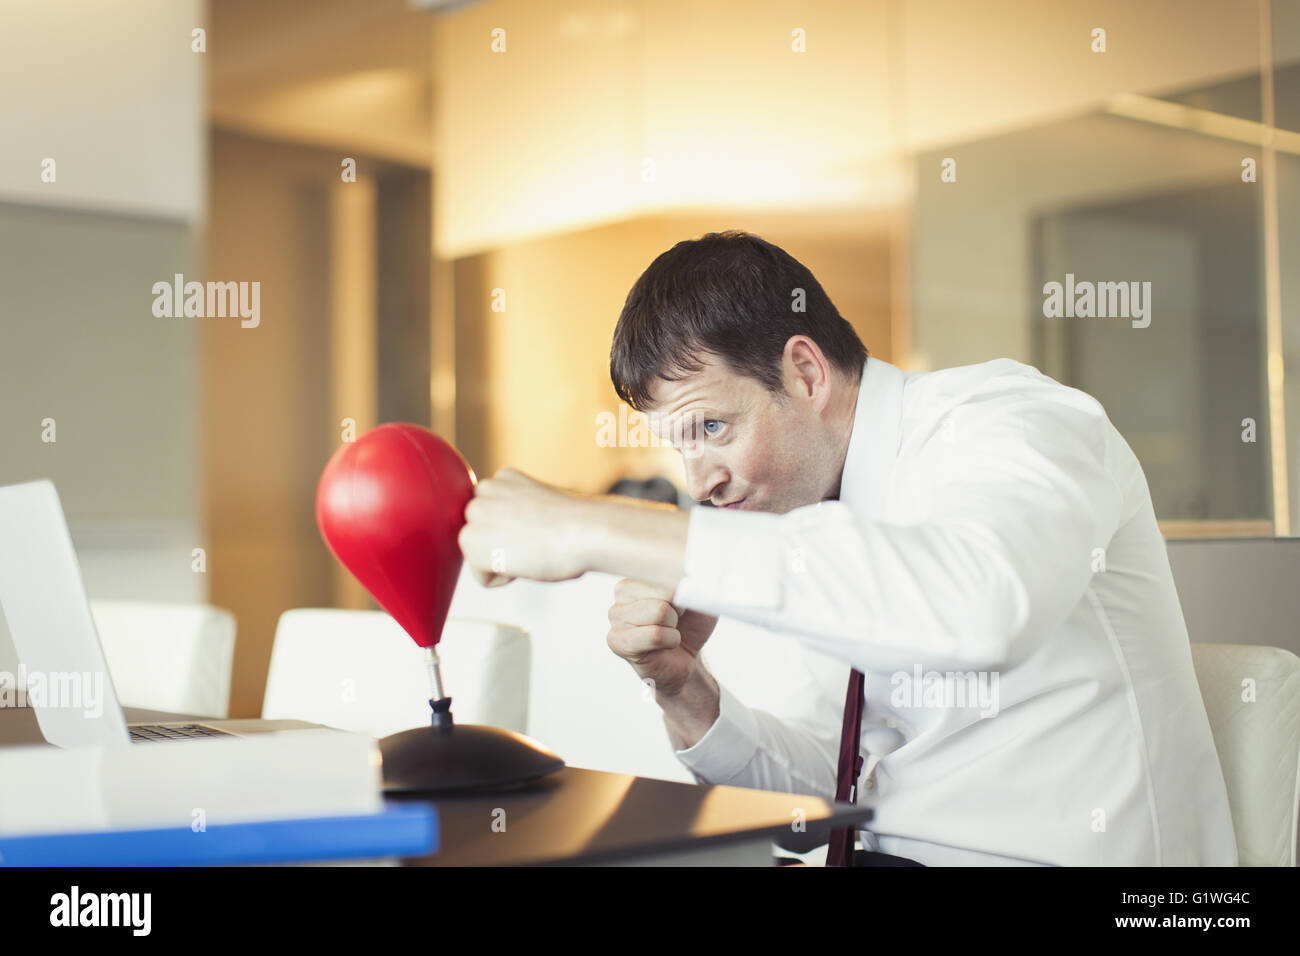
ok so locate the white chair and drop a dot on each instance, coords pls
(359, 671)
(1258, 743)
(170, 657)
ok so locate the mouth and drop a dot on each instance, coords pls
(734, 504)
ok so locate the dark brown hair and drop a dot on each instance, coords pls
(729, 294)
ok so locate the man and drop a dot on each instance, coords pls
(979, 542)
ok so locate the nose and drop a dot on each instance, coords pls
(704, 476)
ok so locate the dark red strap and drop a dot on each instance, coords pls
(840, 851)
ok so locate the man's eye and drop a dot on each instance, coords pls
(711, 421)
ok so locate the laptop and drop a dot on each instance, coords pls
(50, 655)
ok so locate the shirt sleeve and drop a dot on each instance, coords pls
(752, 748)
(1020, 498)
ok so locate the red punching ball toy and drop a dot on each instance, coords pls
(390, 506)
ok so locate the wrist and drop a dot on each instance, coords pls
(692, 709)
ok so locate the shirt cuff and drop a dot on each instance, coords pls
(726, 747)
(733, 561)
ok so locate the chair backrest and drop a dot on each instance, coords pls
(1239, 590)
(1252, 698)
(172, 657)
(359, 671)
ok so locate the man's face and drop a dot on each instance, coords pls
(740, 443)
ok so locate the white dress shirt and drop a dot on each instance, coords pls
(994, 567)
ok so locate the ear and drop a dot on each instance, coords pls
(807, 371)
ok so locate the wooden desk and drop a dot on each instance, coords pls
(579, 817)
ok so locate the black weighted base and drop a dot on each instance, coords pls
(463, 757)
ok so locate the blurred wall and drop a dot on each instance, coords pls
(342, 74)
(267, 413)
(553, 131)
(113, 94)
(82, 349)
(974, 296)
(583, 112)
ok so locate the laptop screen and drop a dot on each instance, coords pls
(50, 655)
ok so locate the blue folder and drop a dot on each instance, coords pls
(401, 830)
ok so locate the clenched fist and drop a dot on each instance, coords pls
(659, 640)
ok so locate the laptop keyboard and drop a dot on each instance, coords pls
(141, 732)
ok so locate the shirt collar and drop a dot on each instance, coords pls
(874, 441)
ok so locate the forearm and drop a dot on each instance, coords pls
(641, 540)
(690, 712)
